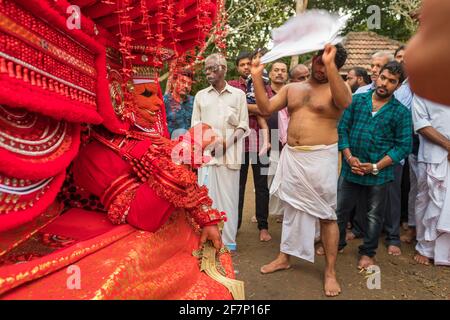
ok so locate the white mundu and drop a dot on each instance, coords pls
(306, 184)
(225, 112)
(432, 209)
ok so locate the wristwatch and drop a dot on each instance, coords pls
(375, 169)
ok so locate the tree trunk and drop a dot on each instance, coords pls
(299, 8)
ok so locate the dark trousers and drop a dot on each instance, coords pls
(259, 167)
(394, 208)
(357, 217)
(347, 198)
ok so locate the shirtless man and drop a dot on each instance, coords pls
(306, 177)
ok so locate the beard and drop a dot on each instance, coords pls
(354, 87)
(383, 94)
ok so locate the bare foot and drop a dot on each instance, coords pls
(365, 262)
(409, 235)
(349, 236)
(280, 263)
(253, 219)
(394, 251)
(331, 285)
(421, 259)
(264, 235)
(279, 219)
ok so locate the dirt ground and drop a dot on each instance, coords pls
(401, 277)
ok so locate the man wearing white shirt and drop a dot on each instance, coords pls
(432, 207)
(224, 108)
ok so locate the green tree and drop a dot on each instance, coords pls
(395, 20)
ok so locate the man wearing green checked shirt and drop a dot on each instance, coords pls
(374, 134)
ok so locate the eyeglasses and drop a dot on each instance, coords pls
(213, 68)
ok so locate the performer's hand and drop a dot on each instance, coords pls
(329, 55)
(211, 233)
(257, 68)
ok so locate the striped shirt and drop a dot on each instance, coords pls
(370, 138)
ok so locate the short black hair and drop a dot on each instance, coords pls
(341, 55)
(402, 47)
(241, 56)
(277, 61)
(395, 68)
(361, 72)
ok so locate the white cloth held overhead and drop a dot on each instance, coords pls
(307, 32)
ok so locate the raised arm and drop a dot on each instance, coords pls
(340, 91)
(265, 106)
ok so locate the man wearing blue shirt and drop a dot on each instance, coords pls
(179, 105)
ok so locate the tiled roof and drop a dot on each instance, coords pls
(362, 45)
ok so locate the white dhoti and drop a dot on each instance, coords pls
(223, 188)
(306, 184)
(433, 212)
(275, 207)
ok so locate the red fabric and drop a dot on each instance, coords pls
(148, 211)
(19, 94)
(96, 167)
(17, 166)
(79, 224)
(121, 263)
(15, 219)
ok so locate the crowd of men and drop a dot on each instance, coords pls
(291, 124)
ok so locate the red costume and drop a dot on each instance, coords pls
(136, 207)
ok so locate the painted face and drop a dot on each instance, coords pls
(148, 104)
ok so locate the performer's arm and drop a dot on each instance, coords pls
(265, 106)
(340, 91)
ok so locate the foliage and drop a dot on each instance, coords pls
(250, 23)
